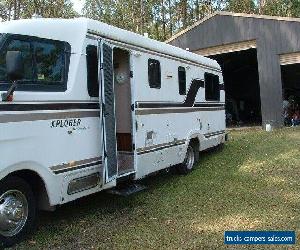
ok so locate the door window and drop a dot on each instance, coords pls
(92, 70)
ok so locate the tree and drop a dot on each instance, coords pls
(16, 9)
(160, 18)
(295, 8)
(290, 8)
(242, 6)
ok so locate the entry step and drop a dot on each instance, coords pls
(125, 163)
(127, 189)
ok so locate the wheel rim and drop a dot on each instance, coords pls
(190, 158)
(13, 212)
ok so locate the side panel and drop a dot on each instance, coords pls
(49, 143)
(166, 121)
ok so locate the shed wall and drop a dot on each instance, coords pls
(273, 38)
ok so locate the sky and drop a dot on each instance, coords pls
(78, 5)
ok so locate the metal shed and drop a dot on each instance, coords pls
(259, 55)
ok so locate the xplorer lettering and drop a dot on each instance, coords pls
(66, 123)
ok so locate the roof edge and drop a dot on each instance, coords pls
(268, 17)
(225, 13)
(192, 26)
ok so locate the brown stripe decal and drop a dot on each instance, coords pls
(191, 95)
(47, 106)
(153, 105)
(208, 135)
(168, 107)
(176, 110)
(209, 104)
(75, 165)
(47, 116)
(158, 147)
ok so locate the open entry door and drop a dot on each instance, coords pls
(107, 102)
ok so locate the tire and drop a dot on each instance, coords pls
(191, 159)
(18, 205)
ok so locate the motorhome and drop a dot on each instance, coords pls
(85, 105)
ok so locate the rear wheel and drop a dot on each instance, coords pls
(191, 158)
(17, 211)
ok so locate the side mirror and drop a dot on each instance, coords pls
(14, 65)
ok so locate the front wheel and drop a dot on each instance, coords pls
(191, 158)
(17, 211)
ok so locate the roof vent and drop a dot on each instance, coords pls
(36, 16)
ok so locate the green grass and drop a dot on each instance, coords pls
(251, 184)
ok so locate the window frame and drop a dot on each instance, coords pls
(217, 95)
(39, 86)
(181, 69)
(156, 85)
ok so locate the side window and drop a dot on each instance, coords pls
(25, 48)
(49, 59)
(154, 74)
(92, 70)
(182, 80)
(45, 63)
(212, 87)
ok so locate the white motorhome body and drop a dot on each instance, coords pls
(58, 135)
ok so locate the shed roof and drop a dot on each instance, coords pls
(224, 13)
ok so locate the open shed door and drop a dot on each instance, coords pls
(290, 58)
(108, 119)
(227, 48)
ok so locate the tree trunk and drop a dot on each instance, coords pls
(184, 13)
(157, 30)
(163, 13)
(197, 10)
(142, 13)
(170, 17)
(9, 12)
(15, 9)
(262, 4)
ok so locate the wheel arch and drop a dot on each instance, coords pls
(37, 185)
(194, 139)
(39, 182)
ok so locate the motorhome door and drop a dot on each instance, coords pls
(107, 101)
